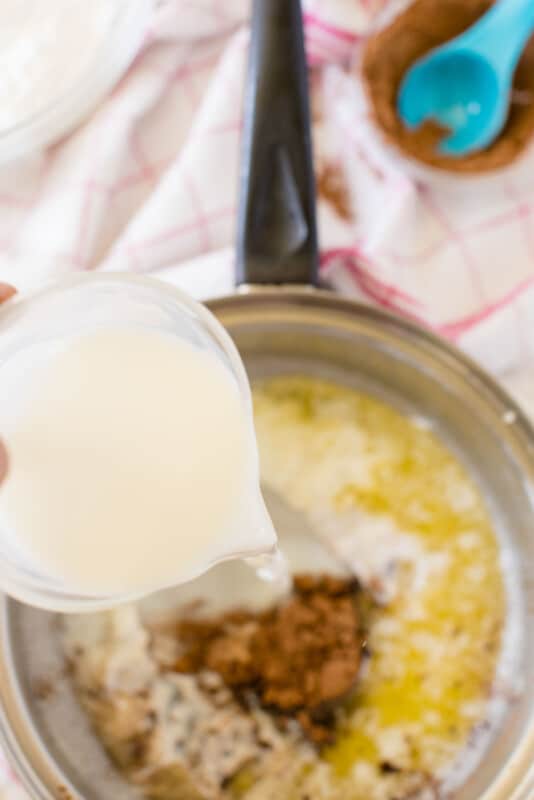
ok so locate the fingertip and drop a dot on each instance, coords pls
(6, 292)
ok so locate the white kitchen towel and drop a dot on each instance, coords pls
(148, 184)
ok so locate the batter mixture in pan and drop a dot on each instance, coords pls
(187, 710)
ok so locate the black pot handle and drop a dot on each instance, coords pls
(277, 237)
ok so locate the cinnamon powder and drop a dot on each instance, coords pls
(332, 187)
(388, 54)
(299, 659)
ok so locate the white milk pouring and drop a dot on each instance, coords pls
(132, 465)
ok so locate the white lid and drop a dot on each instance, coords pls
(58, 58)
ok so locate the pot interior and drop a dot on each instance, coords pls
(313, 333)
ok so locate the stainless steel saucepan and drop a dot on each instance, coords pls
(297, 328)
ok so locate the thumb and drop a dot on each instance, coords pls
(6, 291)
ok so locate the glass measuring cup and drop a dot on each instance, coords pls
(35, 327)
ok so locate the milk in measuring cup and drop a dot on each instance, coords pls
(132, 464)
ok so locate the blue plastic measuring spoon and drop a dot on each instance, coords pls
(465, 84)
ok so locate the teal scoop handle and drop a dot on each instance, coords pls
(501, 34)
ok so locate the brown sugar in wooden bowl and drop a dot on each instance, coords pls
(426, 24)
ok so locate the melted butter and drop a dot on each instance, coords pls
(433, 652)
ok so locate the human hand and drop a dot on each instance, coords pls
(6, 292)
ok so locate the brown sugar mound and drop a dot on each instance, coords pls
(299, 659)
(389, 53)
